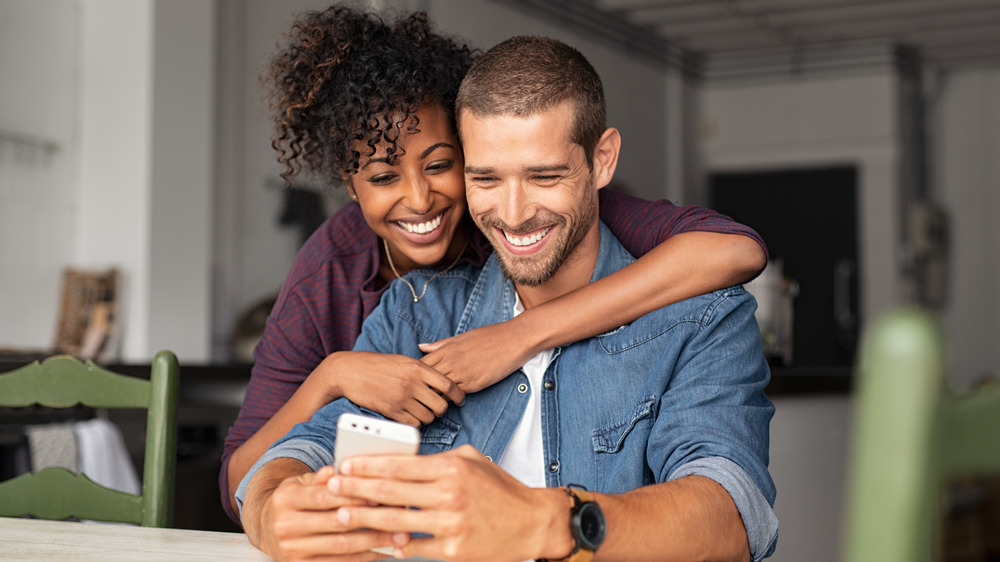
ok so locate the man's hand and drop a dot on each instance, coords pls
(297, 519)
(471, 507)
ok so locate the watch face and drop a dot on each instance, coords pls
(591, 525)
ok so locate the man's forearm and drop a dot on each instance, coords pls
(692, 518)
(259, 491)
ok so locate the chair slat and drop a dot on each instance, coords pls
(63, 381)
(57, 493)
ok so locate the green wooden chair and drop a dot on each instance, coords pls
(57, 493)
(911, 437)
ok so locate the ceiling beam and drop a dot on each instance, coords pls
(612, 29)
(898, 27)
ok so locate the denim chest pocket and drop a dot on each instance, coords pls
(620, 447)
(439, 436)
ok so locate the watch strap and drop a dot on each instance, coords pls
(580, 496)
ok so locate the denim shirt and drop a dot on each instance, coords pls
(678, 392)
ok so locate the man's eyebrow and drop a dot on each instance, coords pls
(475, 170)
(549, 168)
(532, 169)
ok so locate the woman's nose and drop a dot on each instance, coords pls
(418, 195)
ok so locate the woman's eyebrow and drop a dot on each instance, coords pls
(434, 147)
(384, 159)
(424, 154)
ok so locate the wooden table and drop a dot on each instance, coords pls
(34, 539)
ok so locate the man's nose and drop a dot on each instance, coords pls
(514, 208)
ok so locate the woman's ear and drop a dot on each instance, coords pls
(606, 157)
(350, 188)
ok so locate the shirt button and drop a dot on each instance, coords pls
(553, 466)
(489, 458)
(550, 384)
(522, 388)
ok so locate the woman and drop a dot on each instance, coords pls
(370, 105)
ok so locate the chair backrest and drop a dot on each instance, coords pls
(57, 493)
(911, 437)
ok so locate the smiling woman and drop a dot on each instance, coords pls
(370, 104)
(413, 198)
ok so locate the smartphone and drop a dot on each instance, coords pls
(362, 435)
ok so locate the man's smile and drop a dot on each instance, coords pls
(526, 240)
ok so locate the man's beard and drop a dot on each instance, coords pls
(534, 270)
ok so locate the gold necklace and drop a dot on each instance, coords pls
(413, 290)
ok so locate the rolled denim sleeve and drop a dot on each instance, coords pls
(758, 518)
(311, 442)
(313, 455)
(714, 416)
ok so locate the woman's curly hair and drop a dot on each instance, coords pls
(344, 74)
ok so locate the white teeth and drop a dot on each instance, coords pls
(423, 227)
(528, 240)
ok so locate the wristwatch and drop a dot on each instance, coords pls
(586, 524)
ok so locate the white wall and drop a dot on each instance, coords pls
(125, 88)
(966, 179)
(38, 207)
(146, 164)
(809, 458)
(113, 177)
(182, 178)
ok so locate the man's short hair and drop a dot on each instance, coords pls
(529, 74)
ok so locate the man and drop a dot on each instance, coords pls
(664, 420)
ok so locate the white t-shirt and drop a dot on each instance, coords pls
(524, 458)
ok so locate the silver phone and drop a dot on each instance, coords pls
(362, 435)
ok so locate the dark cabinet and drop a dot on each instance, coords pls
(809, 219)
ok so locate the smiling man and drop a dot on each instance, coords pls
(649, 442)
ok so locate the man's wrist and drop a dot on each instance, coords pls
(253, 511)
(554, 539)
(587, 525)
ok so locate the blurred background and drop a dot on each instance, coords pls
(860, 138)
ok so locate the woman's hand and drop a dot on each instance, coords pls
(478, 358)
(398, 387)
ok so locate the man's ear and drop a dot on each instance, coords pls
(606, 157)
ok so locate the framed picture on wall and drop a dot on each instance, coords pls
(87, 326)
